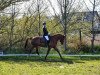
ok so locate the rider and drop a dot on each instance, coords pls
(45, 33)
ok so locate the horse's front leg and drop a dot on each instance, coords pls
(47, 52)
(58, 52)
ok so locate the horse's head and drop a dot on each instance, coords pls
(62, 38)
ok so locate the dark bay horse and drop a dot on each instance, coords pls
(35, 42)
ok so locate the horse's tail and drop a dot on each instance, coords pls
(26, 43)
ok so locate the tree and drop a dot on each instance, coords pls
(41, 7)
(6, 3)
(94, 4)
(93, 34)
(67, 9)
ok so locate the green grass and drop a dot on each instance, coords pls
(53, 66)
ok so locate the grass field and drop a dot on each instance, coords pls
(53, 66)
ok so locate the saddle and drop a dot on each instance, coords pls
(42, 40)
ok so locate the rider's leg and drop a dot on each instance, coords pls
(46, 40)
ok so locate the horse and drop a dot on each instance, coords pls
(38, 41)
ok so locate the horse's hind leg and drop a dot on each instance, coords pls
(58, 53)
(29, 52)
(37, 50)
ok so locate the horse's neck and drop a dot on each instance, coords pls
(56, 38)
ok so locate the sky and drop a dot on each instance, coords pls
(86, 5)
(22, 7)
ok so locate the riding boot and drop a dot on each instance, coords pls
(46, 43)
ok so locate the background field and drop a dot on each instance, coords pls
(53, 66)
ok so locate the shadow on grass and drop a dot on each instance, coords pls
(68, 60)
(34, 59)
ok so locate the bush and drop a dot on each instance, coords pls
(76, 47)
(97, 49)
(83, 46)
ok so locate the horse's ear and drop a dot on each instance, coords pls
(64, 36)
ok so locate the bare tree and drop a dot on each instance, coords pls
(94, 4)
(7, 3)
(37, 9)
(4, 4)
(67, 10)
(93, 34)
(41, 7)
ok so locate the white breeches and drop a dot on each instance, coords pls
(47, 38)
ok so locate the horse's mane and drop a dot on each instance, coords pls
(57, 34)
